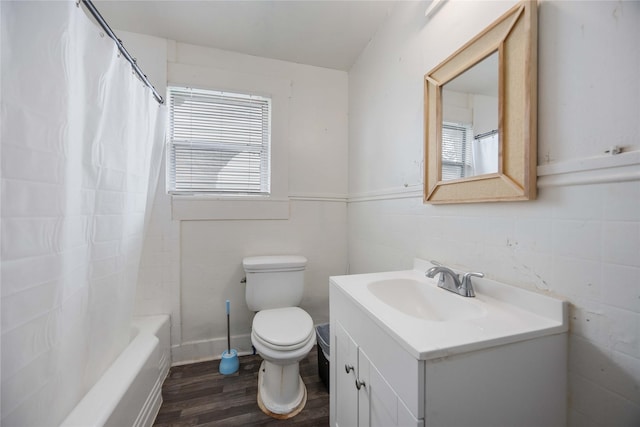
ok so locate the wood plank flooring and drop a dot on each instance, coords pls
(198, 395)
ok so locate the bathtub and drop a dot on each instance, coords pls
(129, 392)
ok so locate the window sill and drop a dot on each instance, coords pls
(214, 208)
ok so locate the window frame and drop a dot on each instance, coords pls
(219, 150)
(204, 207)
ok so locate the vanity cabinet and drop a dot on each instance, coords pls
(390, 391)
(378, 380)
(363, 396)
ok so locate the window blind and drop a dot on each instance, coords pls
(219, 142)
(456, 153)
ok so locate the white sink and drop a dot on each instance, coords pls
(430, 322)
(419, 299)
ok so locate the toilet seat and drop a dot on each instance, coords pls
(283, 329)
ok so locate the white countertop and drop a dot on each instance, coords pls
(510, 314)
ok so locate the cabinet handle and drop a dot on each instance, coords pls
(360, 384)
(348, 368)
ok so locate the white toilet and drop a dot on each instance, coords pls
(282, 333)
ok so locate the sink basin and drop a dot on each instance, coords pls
(424, 301)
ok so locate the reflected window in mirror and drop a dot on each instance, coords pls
(456, 152)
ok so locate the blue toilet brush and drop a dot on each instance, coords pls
(229, 363)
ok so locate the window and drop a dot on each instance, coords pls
(456, 150)
(219, 142)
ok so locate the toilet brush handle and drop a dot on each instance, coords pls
(228, 306)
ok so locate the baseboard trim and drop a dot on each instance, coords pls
(204, 350)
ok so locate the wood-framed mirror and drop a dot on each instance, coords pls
(480, 108)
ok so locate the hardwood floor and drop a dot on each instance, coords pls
(198, 395)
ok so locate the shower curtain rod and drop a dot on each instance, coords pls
(129, 58)
(486, 134)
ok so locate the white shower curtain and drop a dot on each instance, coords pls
(485, 154)
(81, 148)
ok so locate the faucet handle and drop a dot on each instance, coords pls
(466, 282)
(436, 263)
(472, 274)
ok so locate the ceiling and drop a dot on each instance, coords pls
(481, 79)
(324, 33)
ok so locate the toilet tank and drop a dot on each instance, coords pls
(274, 281)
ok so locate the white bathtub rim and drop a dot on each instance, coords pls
(97, 407)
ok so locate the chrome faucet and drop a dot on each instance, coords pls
(451, 281)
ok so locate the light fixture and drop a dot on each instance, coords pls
(433, 7)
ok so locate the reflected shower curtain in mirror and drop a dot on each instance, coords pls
(82, 142)
(484, 156)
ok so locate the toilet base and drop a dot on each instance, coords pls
(273, 409)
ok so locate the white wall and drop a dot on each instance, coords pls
(580, 240)
(190, 267)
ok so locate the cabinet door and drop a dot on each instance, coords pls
(378, 403)
(364, 390)
(363, 398)
(406, 418)
(346, 399)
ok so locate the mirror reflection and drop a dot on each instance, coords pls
(470, 137)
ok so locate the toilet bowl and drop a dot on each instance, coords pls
(282, 337)
(281, 332)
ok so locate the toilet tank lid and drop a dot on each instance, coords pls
(274, 263)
